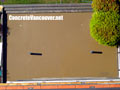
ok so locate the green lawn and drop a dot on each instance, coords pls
(42, 1)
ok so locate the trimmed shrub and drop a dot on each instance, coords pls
(105, 5)
(105, 28)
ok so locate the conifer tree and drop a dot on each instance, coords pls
(105, 22)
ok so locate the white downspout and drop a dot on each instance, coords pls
(118, 61)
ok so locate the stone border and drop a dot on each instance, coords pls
(48, 8)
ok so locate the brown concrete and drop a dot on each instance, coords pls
(65, 46)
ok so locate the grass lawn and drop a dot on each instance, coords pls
(42, 1)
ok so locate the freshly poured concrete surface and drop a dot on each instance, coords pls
(65, 47)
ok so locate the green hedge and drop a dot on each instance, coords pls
(105, 28)
(105, 5)
(105, 22)
(42, 1)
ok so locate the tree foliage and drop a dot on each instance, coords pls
(105, 5)
(105, 22)
(105, 28)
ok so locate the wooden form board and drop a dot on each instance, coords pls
(62, 86)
